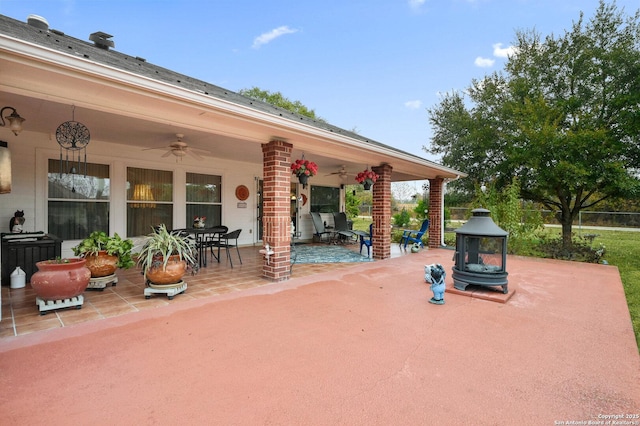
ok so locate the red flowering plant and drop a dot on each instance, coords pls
(304, 167)
(367, 174)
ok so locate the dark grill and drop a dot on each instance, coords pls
(481, 253)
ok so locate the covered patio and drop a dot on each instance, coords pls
(160, 147)
(339, 344)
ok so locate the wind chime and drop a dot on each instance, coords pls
(73, 137)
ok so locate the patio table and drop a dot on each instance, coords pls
(204, 238)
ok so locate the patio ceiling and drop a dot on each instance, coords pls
(118, 106)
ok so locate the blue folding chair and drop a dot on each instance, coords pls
(366, 240)
(413, 236)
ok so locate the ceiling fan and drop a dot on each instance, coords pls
(342, 172)
(178, 148)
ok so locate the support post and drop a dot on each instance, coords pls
(382, 212)
(276, 219)
(436, 205)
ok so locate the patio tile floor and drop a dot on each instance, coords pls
(20, 314)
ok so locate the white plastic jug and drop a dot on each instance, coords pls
(18, 278)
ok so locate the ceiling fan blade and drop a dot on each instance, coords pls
(341, 171)
(193, 154)
(168, 153)
(156, 147)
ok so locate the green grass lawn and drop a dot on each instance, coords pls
(622, 251)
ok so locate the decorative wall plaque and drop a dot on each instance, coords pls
(242, 192)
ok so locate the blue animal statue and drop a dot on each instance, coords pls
(434, 274)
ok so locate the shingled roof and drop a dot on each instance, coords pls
(38, 32)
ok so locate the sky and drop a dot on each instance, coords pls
(373, 66)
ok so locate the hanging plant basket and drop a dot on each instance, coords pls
(304, 169)
(367, 178)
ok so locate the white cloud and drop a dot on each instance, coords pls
(413, 104)
(500, 52)
(69, 6)
(272, 35)
(416, 4)
(484, 62)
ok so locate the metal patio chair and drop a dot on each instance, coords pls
(341, 228)
(228, 241)
(318, 224)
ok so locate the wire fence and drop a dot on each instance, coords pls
(365, 210)
(585, 218)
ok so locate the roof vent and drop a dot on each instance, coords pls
(102, 40)
(38, 22)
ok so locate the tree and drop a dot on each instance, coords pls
(563, 116)
(509, 213)
(421, 209)
(352, 204)
(277, 99)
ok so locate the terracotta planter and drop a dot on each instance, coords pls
(59, 281)
(102, 264)
(173, 273)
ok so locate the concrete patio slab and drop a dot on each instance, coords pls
(357, 346)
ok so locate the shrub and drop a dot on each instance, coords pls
(402, 219)
(579, 250)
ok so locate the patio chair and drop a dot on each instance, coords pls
(228, 241)
(209, 240)
(341, 227)
(318, 224)
(413, 236)
(366, 239)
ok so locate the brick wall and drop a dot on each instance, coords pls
(276, 218)
(435, 212)
(381, 212)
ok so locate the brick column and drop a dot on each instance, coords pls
(382, 212)
(276, 218)
(435, 212)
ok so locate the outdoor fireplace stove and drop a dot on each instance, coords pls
(481, 253)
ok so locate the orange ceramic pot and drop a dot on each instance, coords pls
(56, 280)
(102, 264)
(172, 274)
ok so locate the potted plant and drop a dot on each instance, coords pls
(165, 256)
(367, 178)
(60, 279)
(304, 169)
(105, 254)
